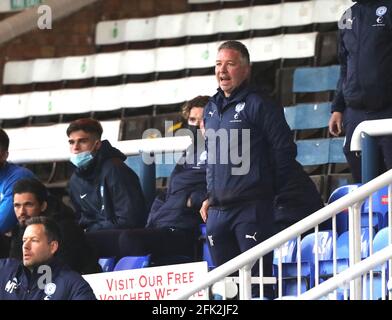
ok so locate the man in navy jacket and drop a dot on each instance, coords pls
(105, 192)
(365, 86)
(250, 160)
(40, 276)
(9, 174)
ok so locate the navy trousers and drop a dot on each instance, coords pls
(231, 231)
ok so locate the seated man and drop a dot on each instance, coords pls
(41, 276)
(9, 174)
(31, 199)
(173, 223)
(105, 193)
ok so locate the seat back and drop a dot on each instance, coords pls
(342, 244)
(323, 245)
(380, 240)
(380, 204)
(289, 252)
(342, 217)
(132, 262)
(107, 263)
(313, 151)
(315, 79)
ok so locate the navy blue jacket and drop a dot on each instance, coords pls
(18, 283)
(107, 193)
(271, 150)
(296, 199)
(9, 174)
(186, 181)
(365, 55)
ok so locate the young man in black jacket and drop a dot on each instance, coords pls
(31, 199)
(365, 86)
(105, 193)
(41, 276)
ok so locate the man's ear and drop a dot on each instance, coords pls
(4, 156)
(98, 144)
(54, 245)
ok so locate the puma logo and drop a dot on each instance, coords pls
(247, 236)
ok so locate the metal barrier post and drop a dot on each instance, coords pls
(370, 157)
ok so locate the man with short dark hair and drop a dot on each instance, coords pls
(242, 186)
(31, 199)
(9, 174)
(41, 276)
(105, 192)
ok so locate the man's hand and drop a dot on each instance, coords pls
(335, 123)
(204, 210)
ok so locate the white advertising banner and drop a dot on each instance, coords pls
(155, 283)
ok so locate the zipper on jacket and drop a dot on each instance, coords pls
(359, 48)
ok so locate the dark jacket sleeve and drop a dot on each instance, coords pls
(282, 146)
(339, 103)
(81, 290)
(197, 198)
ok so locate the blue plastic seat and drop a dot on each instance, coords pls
(315, 79)
(308, 115)
(313, 152)
(380, 205)
(342, 217)
(107, 263)
(132, 262)
(380, 241)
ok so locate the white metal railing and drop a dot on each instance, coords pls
(379, 127)
(244, 261)
(353, 273)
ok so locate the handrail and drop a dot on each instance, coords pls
(293, 231)
(347, 275)
(372, 128)
(128, 147)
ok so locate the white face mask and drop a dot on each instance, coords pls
(81, 159)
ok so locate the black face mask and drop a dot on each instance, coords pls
(194, 130)
(197, 140)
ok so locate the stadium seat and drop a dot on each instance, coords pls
(297, 13)
(170, 26)
(265, 17)
(266, 48)
(140, 29)
(18, 72)
(326, 49)
(308, 247)
(380, 273)
(201, 55)
(380, 205)
(110, 32)
(79, 67)
(309, 81)
(107, 264)
(132, 262)
(312, 116)
(313, 154)
(205, 22)
(342, 217)
(298, 46)
(232, 21)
